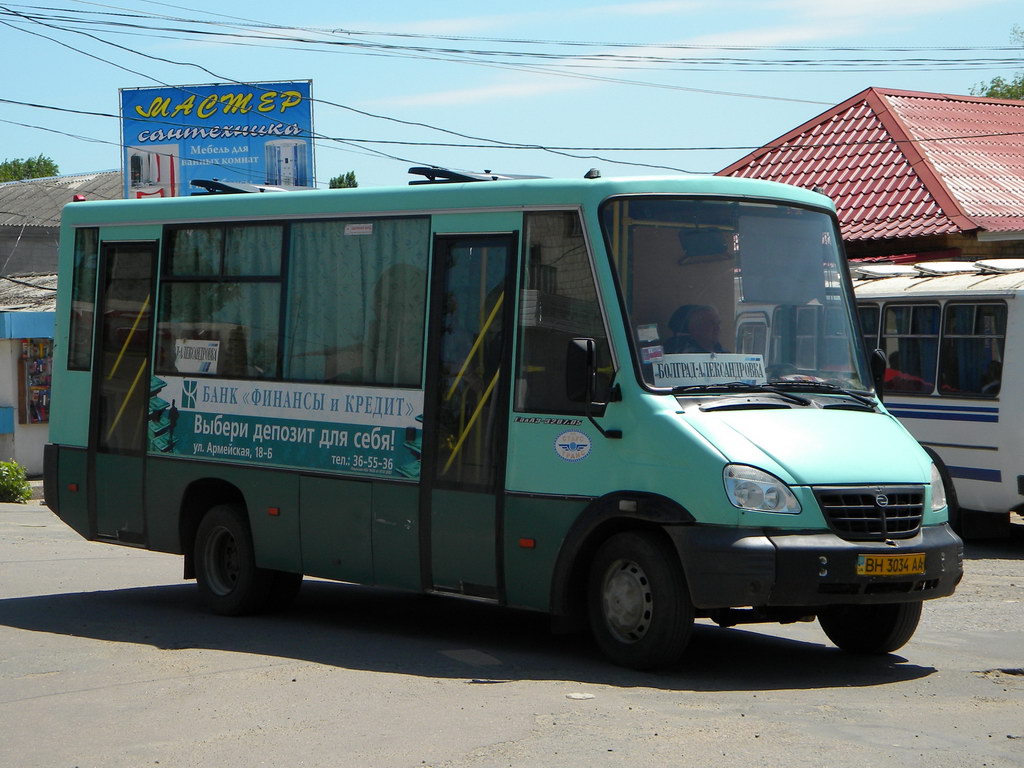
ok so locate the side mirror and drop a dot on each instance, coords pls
(580, 380)
(878, 366)
(580, 369)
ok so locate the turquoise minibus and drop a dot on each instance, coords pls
(628, 403)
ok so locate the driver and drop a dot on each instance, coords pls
(695, 329)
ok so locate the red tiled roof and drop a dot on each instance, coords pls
(904, 163)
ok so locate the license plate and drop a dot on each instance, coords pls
(890, 565)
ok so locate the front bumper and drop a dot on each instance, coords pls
(737, 567)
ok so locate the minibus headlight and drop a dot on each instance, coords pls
(756, 490)
(938, 490)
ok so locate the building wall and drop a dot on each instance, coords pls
(25, 443)
(971, 249)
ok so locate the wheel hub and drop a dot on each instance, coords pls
(627, 601)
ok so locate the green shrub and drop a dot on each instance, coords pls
(13, 483)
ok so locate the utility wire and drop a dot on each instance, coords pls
(733, 148)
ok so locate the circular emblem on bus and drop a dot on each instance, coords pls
(882, 500)
(572, 446)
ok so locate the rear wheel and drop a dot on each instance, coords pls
(640, 610)
(870, 629)
(229, 581)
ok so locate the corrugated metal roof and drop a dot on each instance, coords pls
(38, 202)
(28, 293)
(906, 163)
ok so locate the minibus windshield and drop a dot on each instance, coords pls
(724, 292)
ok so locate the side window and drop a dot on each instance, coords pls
(220, 304)
(558, 302)
(910, 338)
(83, 298)
(972, 349)
(868, 314)
(357, 301)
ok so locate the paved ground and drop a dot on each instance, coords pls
(107, 660)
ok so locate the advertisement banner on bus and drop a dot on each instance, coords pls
(248, 133)
(357, 430)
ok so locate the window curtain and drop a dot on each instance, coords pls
(241, 317)
(357, 301)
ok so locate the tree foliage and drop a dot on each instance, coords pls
(344, 181)
(29, 168)
(1000, 87)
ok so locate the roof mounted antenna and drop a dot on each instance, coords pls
(218, 187)
(434, 175)
(593, 173)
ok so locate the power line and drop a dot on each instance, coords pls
(788, 145)
(260, 31)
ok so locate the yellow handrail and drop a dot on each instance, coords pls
(472, 420)
(128, 338)
(127, 397)
(476, 346)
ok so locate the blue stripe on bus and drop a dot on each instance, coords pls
(900, 413)
(974, 473)
(935, 407)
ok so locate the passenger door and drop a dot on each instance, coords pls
(466, 419)
(121, 385)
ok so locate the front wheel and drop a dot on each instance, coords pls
(870, 629)
(640, 610)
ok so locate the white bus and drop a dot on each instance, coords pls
(952, 332)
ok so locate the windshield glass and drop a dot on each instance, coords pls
(721, 291)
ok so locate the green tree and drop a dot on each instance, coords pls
(1000, 87)
(29, 168)
(344, 181)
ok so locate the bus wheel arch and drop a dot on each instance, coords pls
(639, 606)
(199, 497)
(230, 583)
(601, 521)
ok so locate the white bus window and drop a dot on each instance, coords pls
(972, 349)
(374, 335)
(911, 342)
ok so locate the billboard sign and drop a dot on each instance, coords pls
(249, 133)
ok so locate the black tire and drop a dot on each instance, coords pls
(641, 614)
(229, 581)
(870, 629)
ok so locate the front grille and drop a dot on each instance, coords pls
(873, 513)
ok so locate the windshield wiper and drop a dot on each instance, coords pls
(823, 386)
(738, 386)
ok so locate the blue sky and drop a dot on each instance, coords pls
(765, 66)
